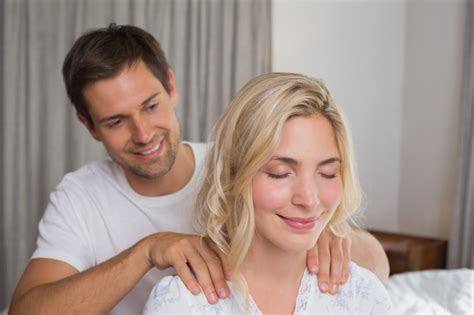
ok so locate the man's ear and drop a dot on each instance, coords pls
(172, 85)
(86, 123)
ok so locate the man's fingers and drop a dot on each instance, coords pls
(197, 264)
(336, 264)
(334, 261)
(185, 274)
(312, 259)
(324, 263)
(177, 255)
(346, 265)
(216, 270)
(225, 266)
(202, 274)
(223, 258)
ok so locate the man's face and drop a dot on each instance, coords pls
(134, 117)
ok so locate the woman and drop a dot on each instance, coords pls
(281, 169)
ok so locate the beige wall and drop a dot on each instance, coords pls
(394, 66)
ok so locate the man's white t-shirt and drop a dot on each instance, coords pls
(94, 214)
(362, 294)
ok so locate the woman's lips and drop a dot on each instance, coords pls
(300, 223)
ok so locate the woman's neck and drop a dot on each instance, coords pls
(273, 277)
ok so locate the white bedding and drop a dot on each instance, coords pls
(433, 292)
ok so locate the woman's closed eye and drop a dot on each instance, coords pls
(328, 175)
(329, 171)
(277, 175)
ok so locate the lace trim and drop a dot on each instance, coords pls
(253, 308)
(303, 293)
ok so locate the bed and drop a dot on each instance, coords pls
(433, 292)
(419, 282)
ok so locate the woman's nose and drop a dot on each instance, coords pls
(305, 194)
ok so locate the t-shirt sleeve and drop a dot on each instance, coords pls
(62, 230)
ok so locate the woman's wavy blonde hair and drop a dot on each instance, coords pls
(245, 137)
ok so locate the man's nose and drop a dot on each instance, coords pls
(141, 132)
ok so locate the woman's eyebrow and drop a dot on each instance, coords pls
(286, 160)
(329, 161)
(291, 161)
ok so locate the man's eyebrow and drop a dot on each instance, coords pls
(120, 116)
(150, 98)
(107, 119)
(291, 161)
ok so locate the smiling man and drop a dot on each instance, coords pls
(111, 224)
(133, 115)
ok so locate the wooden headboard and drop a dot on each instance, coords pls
(411, 253)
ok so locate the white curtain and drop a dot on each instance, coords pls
(213, 46)
(461, 243)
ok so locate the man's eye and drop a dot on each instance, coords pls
(115, 123)
(152, 107)
(278, 176)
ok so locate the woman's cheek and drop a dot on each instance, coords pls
(269, 193)
(331, 194)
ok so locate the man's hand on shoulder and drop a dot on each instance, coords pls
(195, 262)
(330, 259)
(331, 256)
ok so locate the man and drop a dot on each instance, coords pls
(111, 222)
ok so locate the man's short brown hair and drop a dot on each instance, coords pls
(103, 54)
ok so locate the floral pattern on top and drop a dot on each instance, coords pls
(362, 294)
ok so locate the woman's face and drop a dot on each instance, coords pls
(296, 193)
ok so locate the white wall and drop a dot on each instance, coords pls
(368, 52)
(431, 111)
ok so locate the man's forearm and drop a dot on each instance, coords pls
(96, 290)
(367, 252)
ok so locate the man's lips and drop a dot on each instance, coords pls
(151, 150)
(299, 222)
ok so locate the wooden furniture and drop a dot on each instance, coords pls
(410, 253)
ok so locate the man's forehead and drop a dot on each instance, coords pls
(136, 83)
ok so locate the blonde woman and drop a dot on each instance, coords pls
(281, 169)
